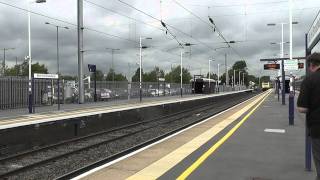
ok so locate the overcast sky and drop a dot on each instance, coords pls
(238, 20)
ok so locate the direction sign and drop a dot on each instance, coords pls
(45, 76)
(92, 67)
(271, 66)
(290, 65)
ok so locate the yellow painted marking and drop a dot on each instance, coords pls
(202, 158)
(158, 168)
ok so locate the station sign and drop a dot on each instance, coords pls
(271, 66)
(92, 67)
(45, 76)
(314, 32)
(290, 65)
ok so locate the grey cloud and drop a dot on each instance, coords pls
(256, 46)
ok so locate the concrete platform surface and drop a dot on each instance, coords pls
(251, 153)
(156, 160)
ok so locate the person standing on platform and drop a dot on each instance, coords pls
(309, 103)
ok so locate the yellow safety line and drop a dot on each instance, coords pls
(202, 158)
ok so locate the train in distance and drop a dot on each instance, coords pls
(265, 86)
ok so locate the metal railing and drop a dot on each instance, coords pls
(14, 91)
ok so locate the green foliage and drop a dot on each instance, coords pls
(212, 76)
(240, 65)
(253, 79)
(136, 76)
(23, 69)
(265, 79)
(113, 76)
(99, 75)
(153, 75)
(174, 75)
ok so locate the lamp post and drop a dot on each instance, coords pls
(281, 54)
(239, 83)
(140, 64)
(29, 58)
(218, 76)
(234, 78)
(243, 78)
(210, 74)
(181, 46)
(112, 64)
(181, 53)
(58, 62)
(4, 60)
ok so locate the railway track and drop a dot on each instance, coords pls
(70, 158)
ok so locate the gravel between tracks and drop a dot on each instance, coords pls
(80, 159)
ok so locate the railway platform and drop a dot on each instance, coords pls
(12, 118)
(250, 141)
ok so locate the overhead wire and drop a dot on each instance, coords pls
(66, 22)
(186, 34)
(162, 23)
(215, 26)
(235, 5)
(115, 12)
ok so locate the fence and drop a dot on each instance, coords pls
(107, 90)
(14, 91)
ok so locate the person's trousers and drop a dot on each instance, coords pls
(316, 155)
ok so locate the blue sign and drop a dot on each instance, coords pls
(92, 67)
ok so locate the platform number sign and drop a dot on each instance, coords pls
(92, 67)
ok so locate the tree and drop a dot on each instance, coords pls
(153, 75)
(110, 75)
(174, 75)
(99, 75)
(120, 77)
(252, 78)
(114, 76)
(23, 69)
(238, 66)
(136, 76)
(68, 77)
(14, 71)
(212, 76)
(265, 79)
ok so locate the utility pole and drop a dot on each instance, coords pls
(243, 78)
(17, 70)
(181, 73)
(140, 69)
(80, 50)
(227, 73)
(112, 62)
(239, 78)
(4, 60)
(283, 79)
(234, 78)
(218, 76)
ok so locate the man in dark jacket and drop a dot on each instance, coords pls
(309, 103)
